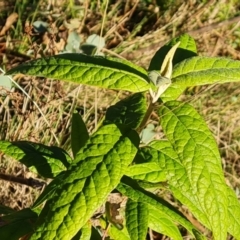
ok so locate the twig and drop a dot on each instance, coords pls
(36, 105)
(194, 33)
(31, 182)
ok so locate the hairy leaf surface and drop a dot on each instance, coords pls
(79, 133)
(200, 71)
(118, 234)
(97, 170)
(129, 111)
(194, 173)
(162, 224)
(45, 160)
(132, 190)
(84, 233)
(150, 172)
(234, 214)
(136, 214)
(90, 70)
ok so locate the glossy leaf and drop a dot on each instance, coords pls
(200, 71)
(162, 224)
(129, 111)
(118, 234)
(136, 214)
(186, 49)
(148, 166)
(194, 171)
(132, 190)
(150, 172)
(79, 133)
(49, 191)
(45, 160)
(233, 214)
(95, 71)
(97, 170)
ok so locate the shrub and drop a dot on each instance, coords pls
(122, 155)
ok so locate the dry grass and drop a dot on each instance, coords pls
(131, 31)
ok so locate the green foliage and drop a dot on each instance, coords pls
(186, 162)
(79, 133)
(137, 219)
(129, 111)
(92, 70)
(18, 224)
(47, 161)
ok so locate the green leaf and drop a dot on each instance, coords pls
(18, 224)
(118, 234)
(200, 71)
(97, 170)
(194, 166)
(5, 210)
(49, 191)
(79, 133)
(151, 172)
(131, 189)
(186, 49)
(25, 213)
(136, 214)
(84, 233)
(95, 235)
(206, 70)
(198, 235)
(234, 214)
(163, 224)
(129, 111)
(148, 166)
(91, 70)
(44, 160)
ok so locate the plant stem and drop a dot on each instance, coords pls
(146, 117)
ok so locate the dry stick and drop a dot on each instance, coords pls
(36, 105)
(86, 3)
(193, 33)
(214, 26)
(31, 182)
(103, 22)
(97, 52)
